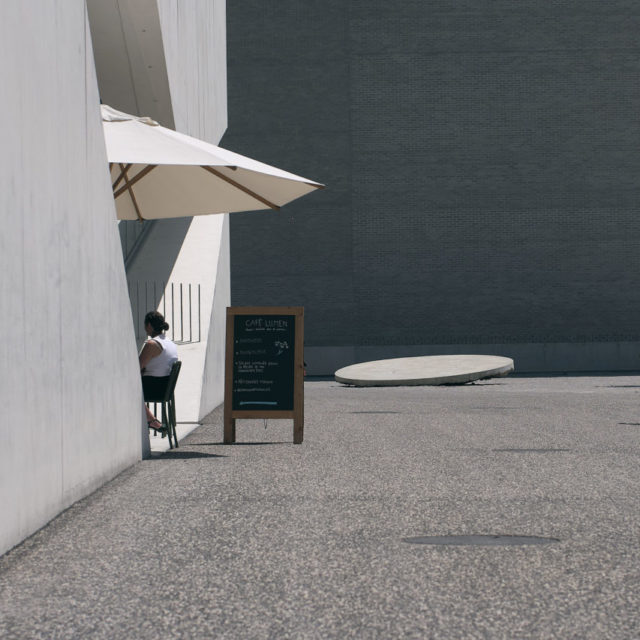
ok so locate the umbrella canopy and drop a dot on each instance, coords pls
(160, 173)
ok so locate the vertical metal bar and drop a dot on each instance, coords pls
(137, 306)
(173, 306)
(199, 334)
(190, 334)
(130, 305)
(181, 317)
(133, 317)
(164, 299)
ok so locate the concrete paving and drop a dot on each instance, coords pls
(424, 370)
(160, 444)
(266, 539)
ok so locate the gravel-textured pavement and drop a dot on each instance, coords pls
(266, 539)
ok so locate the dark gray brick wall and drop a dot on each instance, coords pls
(482, 162)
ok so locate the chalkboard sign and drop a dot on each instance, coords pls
(264, 366)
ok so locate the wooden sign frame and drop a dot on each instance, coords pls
(297, 413)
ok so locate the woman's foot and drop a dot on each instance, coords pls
(155, 424)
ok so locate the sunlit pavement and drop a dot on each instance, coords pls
(267, 539)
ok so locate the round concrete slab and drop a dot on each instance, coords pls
(424, 370)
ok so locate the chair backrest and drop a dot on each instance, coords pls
(173, 379)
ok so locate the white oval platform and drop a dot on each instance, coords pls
(424, 370)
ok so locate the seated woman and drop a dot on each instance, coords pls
(156, 359)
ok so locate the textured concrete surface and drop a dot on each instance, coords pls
(158, 444)
(266, 539)
(424, 370)
(71, 411)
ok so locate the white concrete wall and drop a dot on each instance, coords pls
(70, 398)
(193, 36)
(129, 54)
(195, 50)
(199, 253)
(167, 59)
(212, 393)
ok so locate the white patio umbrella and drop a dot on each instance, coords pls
(160, 173)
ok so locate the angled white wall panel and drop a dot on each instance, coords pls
(194, 40)
(69, 384)
(213, 376)
(176, 73)
(129, 55)
(195, 49)
(203, 259)
(194, 36)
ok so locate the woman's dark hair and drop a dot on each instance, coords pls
(156, 320)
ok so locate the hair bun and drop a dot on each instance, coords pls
(156, 320)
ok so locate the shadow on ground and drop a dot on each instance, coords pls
(234, 444)
(184, 455)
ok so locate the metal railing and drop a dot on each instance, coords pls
(178, 302)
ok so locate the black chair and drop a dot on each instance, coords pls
(167, 401)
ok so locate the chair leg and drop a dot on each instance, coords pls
(155, 413)
(169, 425)
(155, 433)
(166, 423)
(172, 419)
(173, 411)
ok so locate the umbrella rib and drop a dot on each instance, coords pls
(120, 177)
(135, 206)
(130, 183)
(237, 185)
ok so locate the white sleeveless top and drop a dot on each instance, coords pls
(160, 366)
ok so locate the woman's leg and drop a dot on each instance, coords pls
(153, 387)
(152, 421)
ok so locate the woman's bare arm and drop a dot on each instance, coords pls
(150, 350)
